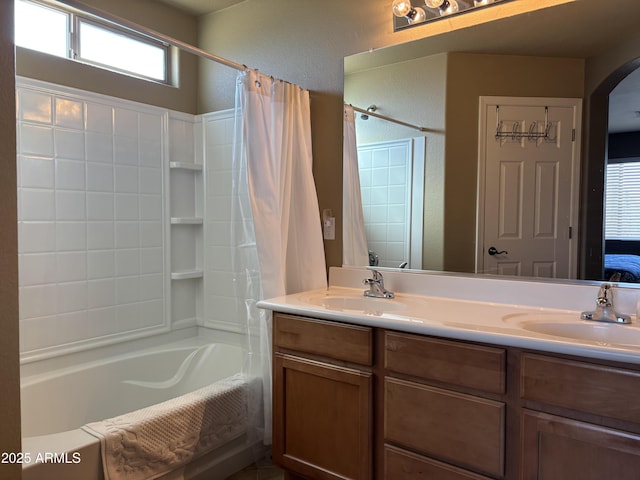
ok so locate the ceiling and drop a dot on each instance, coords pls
(200, 7)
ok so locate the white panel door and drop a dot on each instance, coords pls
(528, 188)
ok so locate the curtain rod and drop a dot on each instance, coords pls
(84, 8)
(389, 119)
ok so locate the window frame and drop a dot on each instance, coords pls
(615, 227)
(74, 41)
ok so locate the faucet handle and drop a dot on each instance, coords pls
(377, 276)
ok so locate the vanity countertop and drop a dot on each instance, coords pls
(540, 328)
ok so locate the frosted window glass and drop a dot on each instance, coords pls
(119, 51)
(41, 28)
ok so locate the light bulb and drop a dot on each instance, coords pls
(481, 3)
(417, 15)
(401, 7)
(449, 7)
(433, 3)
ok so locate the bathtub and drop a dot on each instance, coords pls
(57, 402)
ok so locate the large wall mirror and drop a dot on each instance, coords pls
(523, 118)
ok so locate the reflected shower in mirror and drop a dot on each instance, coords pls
(383, 194)
(575, 51)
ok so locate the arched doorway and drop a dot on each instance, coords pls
(596, 134)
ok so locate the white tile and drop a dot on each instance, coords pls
(379, 177)
(396, 232)
(181, 140)
(397, 214)
(151, 260)
(69, 174)
(99, 118)
(72, 297)
(72, 266)
(100, 235)
(36, 204)
(398, 194)
(150, 154)
(398, 175)
(99, 177)
(36, 140)
(38, 301)
(150, 234)
(71, 236)
(151, 313)
(69, 144)
(127, 235)
(36, 172)
(37, 237)
(150, 207)
(37, 269)
(150, 180)
(127, 290)
(125, 150)
(101, 293)
(35, 106)
(99, 206)
(151, 287)
(127, 262)
(70, 205)
(126, 206)
(69, 113)
(102, 321)
(101, 264)
(398, 155)
(379, 196)
(125, 122)
(380, 158)
(99, 148)
(126, 179)
(150, 127)
(128, 316)
(71, 327)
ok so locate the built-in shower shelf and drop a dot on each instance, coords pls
(187, 274)
(186, 166)
(186, 220)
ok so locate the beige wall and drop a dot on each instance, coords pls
(9, 372)
(469, 76)
(151, 14)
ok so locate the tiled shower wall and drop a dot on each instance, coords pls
(92, 227)
(385, 183)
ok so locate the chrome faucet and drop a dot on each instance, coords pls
(604, 311)
(376, 286)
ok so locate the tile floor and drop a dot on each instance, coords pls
(259, 471)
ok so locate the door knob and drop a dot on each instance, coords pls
(494, 251)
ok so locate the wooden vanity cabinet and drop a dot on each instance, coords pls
(437, 407)
(353, 402)
(579, 419)
(322, 398)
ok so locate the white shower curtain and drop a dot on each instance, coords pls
(276, 224)
(354, 237)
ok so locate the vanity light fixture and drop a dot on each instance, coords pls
(405, 14)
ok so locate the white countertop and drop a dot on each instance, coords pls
(497, 323)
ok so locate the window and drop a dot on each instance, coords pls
(60, 32)
(622, 201)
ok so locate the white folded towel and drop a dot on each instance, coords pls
(148, 443)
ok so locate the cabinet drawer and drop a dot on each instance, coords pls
(461, 364)
(339, 341)
(589, 388)
(402, 465)
(449, 426)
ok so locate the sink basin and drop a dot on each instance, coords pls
(368, 305)
(603, 333)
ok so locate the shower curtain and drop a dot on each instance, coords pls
(276, 223)
(354, 237)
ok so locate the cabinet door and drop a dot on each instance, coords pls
(557, 448)
(321, 419)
